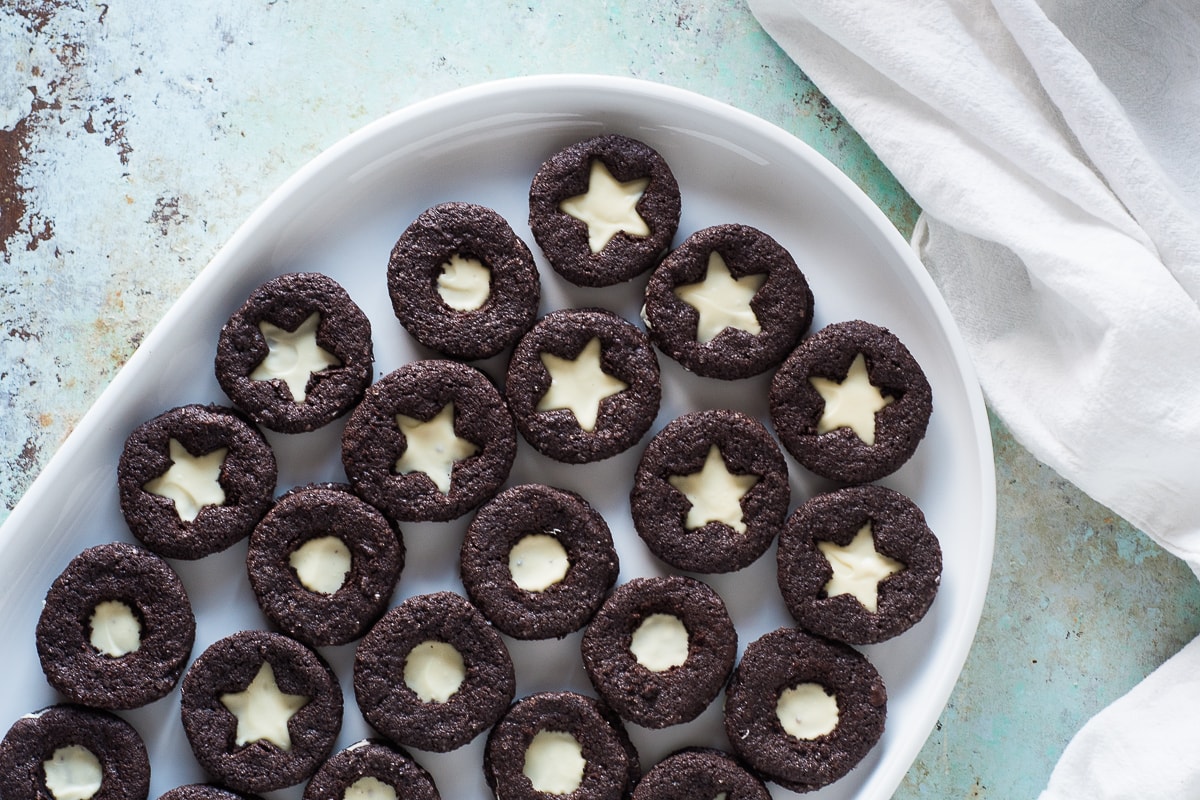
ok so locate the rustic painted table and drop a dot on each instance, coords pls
(135, 137)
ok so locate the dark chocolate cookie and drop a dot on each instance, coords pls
(432, 673)
(323, 564)
(64, 746)
(603, 210)
(700, 772)
(366, 764)
(462, 282)
(859, 565)
(204, 791)
(728, 303)
(258, 747)
(538, 561)
(711, 491)
(297, 355)
(560, 743)
(583, 385)
(194, 480)
(116, 628)
(660, 649)
(851, 403)
(827, 693)
(429, 442)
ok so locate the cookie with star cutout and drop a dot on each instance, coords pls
(851, 403)
(859, 565)
(194, 480)
(710, 492)
(604, 210)
(297, 355)
(430, 441)
(583, 385)
(728, 303)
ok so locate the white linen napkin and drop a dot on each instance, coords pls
(1053, 149)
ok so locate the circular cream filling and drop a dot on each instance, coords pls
(434, 671)
(537, 562)
(807, 711)
(369, 788)
(73, 773)
(115, 629)
(464, 283)
(554, 762)
(660, 642)
(322, 564)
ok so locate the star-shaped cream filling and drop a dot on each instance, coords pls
(721, 300)
(579, 385)
(608, 207)
(858, 568)
(192, 482)
(714, 492)
(433, 447)
(852, 403)
(263, 710)
(293, 356)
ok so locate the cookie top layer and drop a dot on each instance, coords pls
(297, 355)
(366, 764)
(462, 283)
(700, 772)
(604, 210)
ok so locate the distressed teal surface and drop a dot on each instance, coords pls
(135, 137)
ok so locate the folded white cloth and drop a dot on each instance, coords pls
(1052, 147)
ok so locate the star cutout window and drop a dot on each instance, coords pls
(263, 710)
(191, 482)
(852, 403)
(433, 447)
(608, 207)
(293, 356)
(714, 492)
(858, 568)
(721, 300)
(579, 385)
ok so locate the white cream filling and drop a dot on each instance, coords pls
(608, 207)
(714, 492)
(554, 762)
(434, 671)
(858, 568)
(263, 710)
(537, 562)
(192, 482)
(464, 283)
(807, 711)
(660, 642)
(293, 356)
(370, 788)
(579, 385)
(115, 629)
(852, 403)
(73, 773)
(721, 300)
(322, 564)
(433, 447)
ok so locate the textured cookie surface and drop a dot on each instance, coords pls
(700, 772)
(353, 772)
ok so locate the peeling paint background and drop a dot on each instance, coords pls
(135, 137)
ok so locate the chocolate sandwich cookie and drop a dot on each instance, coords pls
(67, 748)
(194, 480)
(710, 492)
(851, 403)
(700, 772)
(432, 673)
(204, 791)
(367, 769)
(560, 743)
(583, 385)
(116, 628)
(261, 711)
(538, 561)
(323, 564)
(429, 442)
(728, 303)
(462, 282)
(297, 355)
(859, 565)
(660, 649)
(802, 711)
(604, 210)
